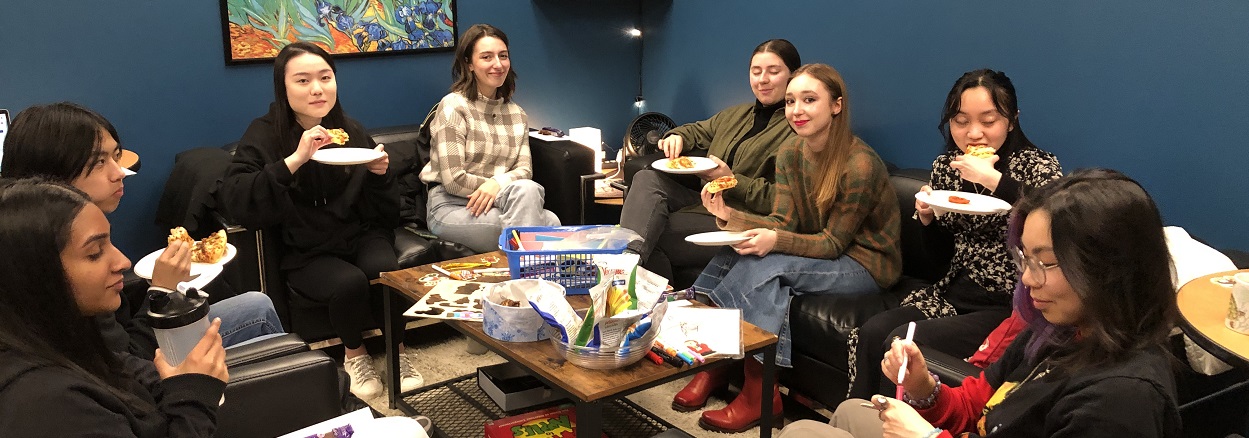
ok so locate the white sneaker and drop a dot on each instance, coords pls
(409, 377)
(364, 380)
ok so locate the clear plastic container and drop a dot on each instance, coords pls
(606, 358)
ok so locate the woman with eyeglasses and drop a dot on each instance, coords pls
(973, 297)
(1095, 290)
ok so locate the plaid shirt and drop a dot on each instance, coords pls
(863, 222)
(473, 141)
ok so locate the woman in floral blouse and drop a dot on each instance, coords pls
(974, 296)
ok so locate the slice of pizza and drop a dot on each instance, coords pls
(681, 163)
(211, 249)
(980, 151)
(722, 183)
(179, 233)
(338, 136)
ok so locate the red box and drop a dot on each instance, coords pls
(556, 422)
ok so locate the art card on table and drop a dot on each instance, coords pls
(451, 299)
(704, 328)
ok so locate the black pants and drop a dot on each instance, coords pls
(343, 284)
(959, 336)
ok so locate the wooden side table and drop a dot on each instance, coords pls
(1203, 308)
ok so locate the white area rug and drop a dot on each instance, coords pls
(448, 358)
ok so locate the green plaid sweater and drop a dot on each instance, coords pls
(863, 222)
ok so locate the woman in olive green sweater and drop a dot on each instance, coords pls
(833, 229)
(742, 140)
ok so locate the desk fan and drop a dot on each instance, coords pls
(644, 132)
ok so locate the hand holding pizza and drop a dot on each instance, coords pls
(713, 201)
(978, 170)
(311, 141)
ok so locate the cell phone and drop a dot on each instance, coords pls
(4, 128)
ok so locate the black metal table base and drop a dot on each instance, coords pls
(459, 408)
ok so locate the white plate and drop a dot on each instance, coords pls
(717, 238)
(345, 156)
(700, 165)
(145, 265)
(980, 204)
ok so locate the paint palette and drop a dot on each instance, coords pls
(451, 299)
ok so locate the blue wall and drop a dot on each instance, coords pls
(156, 70)
(1155, 89)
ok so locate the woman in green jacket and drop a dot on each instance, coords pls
(742, 140)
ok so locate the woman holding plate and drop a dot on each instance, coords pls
(479, 171)
(57, 375)
(740, 141)
(336, 219)
(833, 230)
(71, 144)
(974, 296)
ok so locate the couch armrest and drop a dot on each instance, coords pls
(280, 395)
(265, 349)
(952, 370)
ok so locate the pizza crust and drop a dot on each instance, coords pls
(721, 184)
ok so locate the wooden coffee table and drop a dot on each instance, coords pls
(588, 389)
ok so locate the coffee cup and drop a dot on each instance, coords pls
(179, 321)
(1238, 309)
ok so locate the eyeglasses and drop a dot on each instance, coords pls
(1033, 266)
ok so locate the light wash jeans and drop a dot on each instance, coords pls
(762, 287)
(245, 318)
(517, 205)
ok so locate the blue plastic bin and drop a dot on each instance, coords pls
(574, 269)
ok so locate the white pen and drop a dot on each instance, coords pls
(910, 334)
(444, 271)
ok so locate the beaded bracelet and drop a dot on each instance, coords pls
(926, 402)
(933, 433)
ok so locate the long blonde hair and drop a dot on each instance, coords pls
(832, 159)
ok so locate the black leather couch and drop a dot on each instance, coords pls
(821, 323)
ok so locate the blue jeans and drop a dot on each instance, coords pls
(246, 317)
(762, 287)
(519, 204)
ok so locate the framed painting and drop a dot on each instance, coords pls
(255, 30)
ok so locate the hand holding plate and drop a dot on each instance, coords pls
(380, 165)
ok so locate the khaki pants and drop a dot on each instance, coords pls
(849, 421)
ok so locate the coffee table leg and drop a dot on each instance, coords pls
(392, 347)
(589, 419)
(768, 381)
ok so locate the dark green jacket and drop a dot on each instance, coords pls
(754, 163)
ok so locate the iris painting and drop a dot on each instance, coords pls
(255, 30)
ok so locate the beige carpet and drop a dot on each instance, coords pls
(446, 358)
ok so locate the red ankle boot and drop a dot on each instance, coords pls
(695, 394)
(743, 412)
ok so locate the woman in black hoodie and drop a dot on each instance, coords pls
(336, 221)
(57, 376)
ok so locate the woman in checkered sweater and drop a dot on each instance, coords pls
(834, 229)
(479, 167)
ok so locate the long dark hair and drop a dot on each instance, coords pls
(38, 315)
(465, 81)
(1004, 99)
(57, 141)
(783, 49)
(288, 142)
(1108, 239)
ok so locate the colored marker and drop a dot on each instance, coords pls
(654, 358)
(689, 360)
(697, 357)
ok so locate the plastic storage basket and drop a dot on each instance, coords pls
(573, 269)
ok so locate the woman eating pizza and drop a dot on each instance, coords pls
(986, 153)
(833, 230)
(336, 221)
